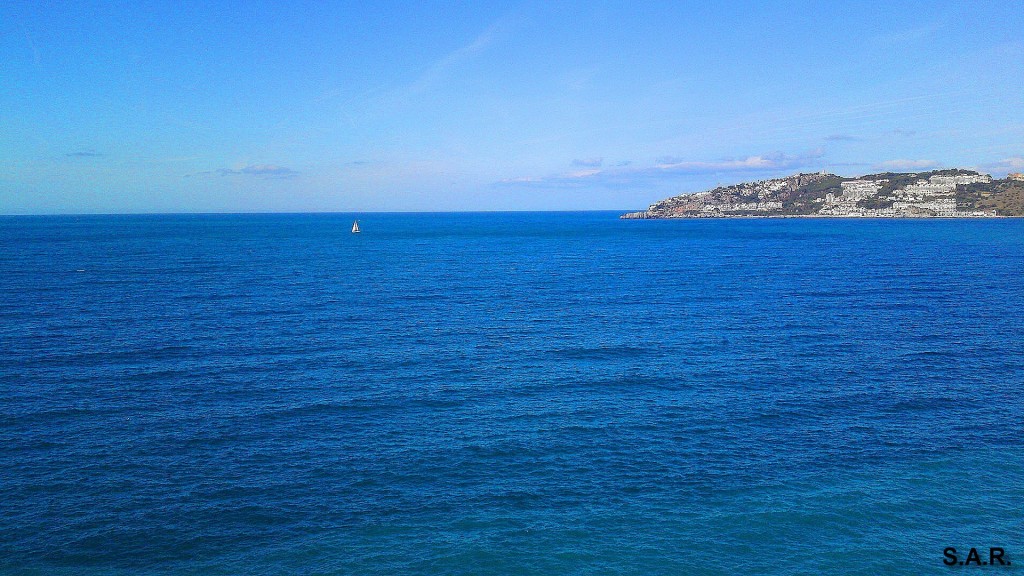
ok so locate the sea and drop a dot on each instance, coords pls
(510, 393)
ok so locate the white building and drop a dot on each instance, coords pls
(859, 189)
(960, 179)
(945, 207)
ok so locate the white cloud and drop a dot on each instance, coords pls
(900, 133)
(257, 170)
(670, 167)
(584, 173)
(1005, 166)
(1017, 163)
(905, 164)
(778, 161)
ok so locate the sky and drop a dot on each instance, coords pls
(179, 106)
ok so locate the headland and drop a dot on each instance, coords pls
(954, 193)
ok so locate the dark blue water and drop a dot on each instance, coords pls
(508, 394)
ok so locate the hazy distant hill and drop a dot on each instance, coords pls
(938, 193)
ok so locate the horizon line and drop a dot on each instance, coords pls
(298, 213)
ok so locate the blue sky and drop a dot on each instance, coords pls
(377, 106)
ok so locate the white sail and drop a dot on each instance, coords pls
(355, 227)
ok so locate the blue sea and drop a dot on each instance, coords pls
(509, 393)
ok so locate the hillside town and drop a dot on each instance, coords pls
(937, 194)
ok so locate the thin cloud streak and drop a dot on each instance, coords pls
(31, 44)
(441, 69)
(669, 168)
(265, 171)
(914, 35)
(905, 164)
(379, 101)
(776, 161)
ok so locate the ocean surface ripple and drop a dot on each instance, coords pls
(508, 393)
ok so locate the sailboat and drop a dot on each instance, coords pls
(355, 227)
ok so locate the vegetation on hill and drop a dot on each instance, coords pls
(1006, 197)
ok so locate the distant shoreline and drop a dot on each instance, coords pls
(952, 193)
